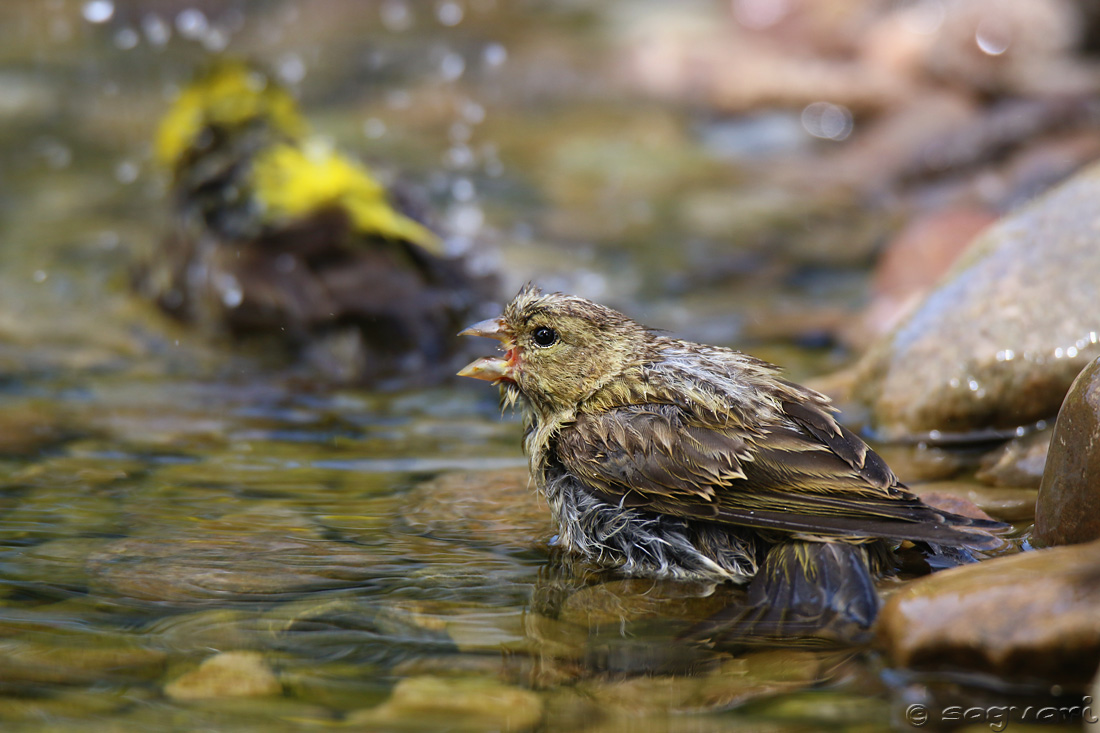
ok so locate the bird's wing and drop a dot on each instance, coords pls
(805, 474)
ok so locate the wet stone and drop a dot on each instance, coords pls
(455, 704)
(226, 675)
(996, 345)
(1068, 510)
(1007, 505)
(1020, 462)
(637, 599)
(1030, 616)
(199, 568)
(730, 682)
(52, 662)
(500, 508)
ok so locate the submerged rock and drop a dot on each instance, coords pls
(229, 674)
(1068, 508)
(499, 508)
(1030, 616)
(455, 704)
(1019, 462)
(996, 345)
(188, 570)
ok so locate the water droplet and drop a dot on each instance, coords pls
(449, 13)
(827, 121)
(98, 11)
(459, 156)
(465, 219)
(452, 66)
(1059, 352)
(126, 171)
(126, 38)
(374, 128)
(463, 190)
(972, 384)
(494, 54)
(396, 16)
(924, 18)
(1021, 431)
(473, 112)
(156, 29)
(192, 23)
(291, 69)
(993, 37)
(215, 40)
(1071, 352)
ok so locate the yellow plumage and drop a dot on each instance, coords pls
(293, 181)
(230, 96)
(291, 176)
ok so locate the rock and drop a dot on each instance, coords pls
(1019, 462)
(498, 508)
(200, 568)
(636, 599)
(996, 345)
(54, 663)
(731, 682)
(1068, 508)
(455, 704)
(1007, 505)
(228, 674)
(25, 430)
(913, 261)
(1025, 616)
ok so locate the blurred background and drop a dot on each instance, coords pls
(784, 176)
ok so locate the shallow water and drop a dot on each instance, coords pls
(166, 498)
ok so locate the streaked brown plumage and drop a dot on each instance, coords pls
(670, 458)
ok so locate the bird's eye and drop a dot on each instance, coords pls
(545, 336)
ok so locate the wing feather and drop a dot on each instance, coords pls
(806, 474)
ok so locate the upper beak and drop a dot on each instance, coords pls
(492, 328)
(490, 368)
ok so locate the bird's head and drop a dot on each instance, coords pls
(558, 349)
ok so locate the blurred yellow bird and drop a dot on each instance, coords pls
(277, 232)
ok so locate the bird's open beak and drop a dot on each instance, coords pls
(492, 328)
(491, 368)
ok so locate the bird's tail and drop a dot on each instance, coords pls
(811, 593)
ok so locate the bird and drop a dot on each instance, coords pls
(666, 458)
(276, 233)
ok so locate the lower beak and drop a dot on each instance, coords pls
(489, 368)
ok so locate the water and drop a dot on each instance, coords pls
(167, 498)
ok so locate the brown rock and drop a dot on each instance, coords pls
(229, 674)
(1007, 505)
(1026, 616)
(500, 508)
(205, 568)
(1068, 508)
(998, 342)
(1019, 462)
(455, 704)
(915, 260)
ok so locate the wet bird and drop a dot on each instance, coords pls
(669, 458)
(277, 233)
